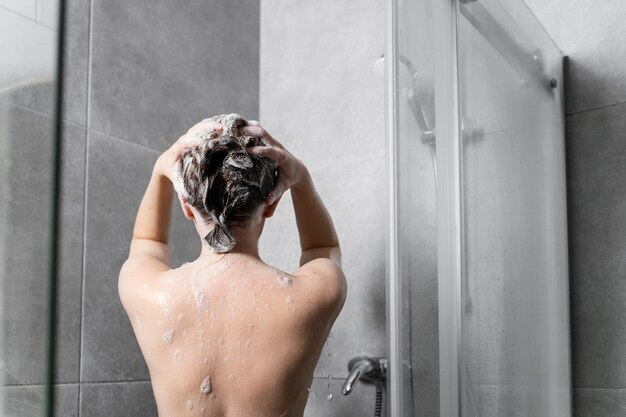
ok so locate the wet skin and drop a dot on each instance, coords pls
(233, 337)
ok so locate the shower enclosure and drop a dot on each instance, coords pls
(477, 296)
(478, 321)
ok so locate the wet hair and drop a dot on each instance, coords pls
(223, 181)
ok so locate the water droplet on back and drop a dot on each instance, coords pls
(330, 387)
(168, 336)
(205, 386)
(284, 281)
(189, 405)
(201, 301)
(289, 299)
(178, 355)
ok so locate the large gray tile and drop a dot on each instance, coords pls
(158, 68)
(593, 35)
(41, 96)
(592, 402)
(320, 94)
(117, 399)
(118, 175)
(354, 195)
(28, 400)
(25, 276)
(65, 400)
(76, 61)
(38, 96)
(23, 401)
(28, 138)
(596, 156)
(326, 400)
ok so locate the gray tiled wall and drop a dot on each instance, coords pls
(323, 99)
(155, 69)
(28, 400)
(593, 35)
(117, 399)
(158, 68)
(117, 170)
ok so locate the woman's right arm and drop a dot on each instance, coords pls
(318, 238)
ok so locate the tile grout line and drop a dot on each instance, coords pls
(85, 193)
(137, 381)
(127, 142)
(23, 16)
(591, 109)
(42, 113)
(56, 384)
(37, 22)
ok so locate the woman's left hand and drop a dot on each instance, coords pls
(168, 159)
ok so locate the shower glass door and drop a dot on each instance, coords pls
(29, 112)
(478, 280)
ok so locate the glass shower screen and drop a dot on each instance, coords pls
(478, 280)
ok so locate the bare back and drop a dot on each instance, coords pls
(234, 337)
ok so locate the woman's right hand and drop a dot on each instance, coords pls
(291, 171)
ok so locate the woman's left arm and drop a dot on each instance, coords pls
(149, 247)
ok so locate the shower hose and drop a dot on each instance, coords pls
(378, 406)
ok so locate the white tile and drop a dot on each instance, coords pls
(593, 35)
(28, 51)
(319, 91)
(48, 13)
(24, 7)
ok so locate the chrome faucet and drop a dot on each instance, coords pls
(365, 369)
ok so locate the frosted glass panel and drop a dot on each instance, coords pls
(515, 326)
(28, 74)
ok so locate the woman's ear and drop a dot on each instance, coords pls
(269, 210)
(185, 207)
